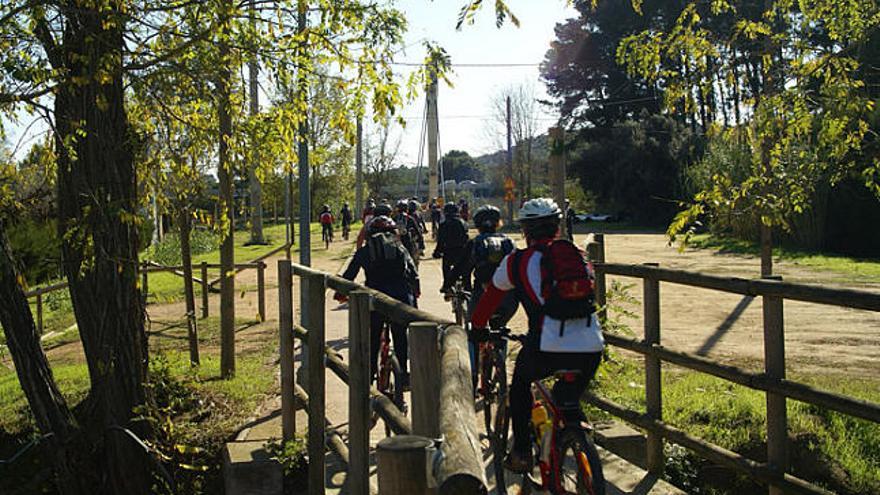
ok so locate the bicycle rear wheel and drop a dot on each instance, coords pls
(498, 440)
(495, 376)
(580, 469)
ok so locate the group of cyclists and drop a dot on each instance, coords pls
(548, 277)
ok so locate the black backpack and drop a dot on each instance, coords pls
(488, 251)
(387, 261)
(456, 233)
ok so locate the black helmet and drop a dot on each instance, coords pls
(381, 223)
(413, 206)
(450, 209)
(382, 210)
(487, 216)
(402, 205)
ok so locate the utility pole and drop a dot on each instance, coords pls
(305, 202)
(256, 189)
(557, 170)
(508, 183)
(433, 127)
(359, 171)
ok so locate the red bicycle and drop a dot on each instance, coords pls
(566, 461)
(389, 375)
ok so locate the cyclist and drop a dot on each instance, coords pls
(414, 211)
(435, 216)
(570, 217)
(451, 239)
(326, 219)
(482, 254)
(464, 209)
(552, 281)
(347, 217)
(410, 233)
(389, 269)
(380, 210)
(368, 210)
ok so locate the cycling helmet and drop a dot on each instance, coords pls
(450, 209)
(382, 210)
(487, 216)
(325, 208)
(537, 209)
(402, 205)
(371, 203)
(413, 206)
(381, 223)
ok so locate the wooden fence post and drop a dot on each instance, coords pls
(205, 288)
(261, 290)
(653, 380)
(144, 282)
(424, 345)
(774, 368)
(359, 393)
(286, 349)
(402, 465)
(40, 313)
(316, 287)
(599, 239)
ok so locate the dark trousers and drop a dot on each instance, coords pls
(532, 364)
(449, 259)
(398, 336)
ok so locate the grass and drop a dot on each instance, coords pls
(196, 412)
(866, 269)
(830, 449)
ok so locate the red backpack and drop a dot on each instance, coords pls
(567, 285)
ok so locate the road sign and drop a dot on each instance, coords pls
(509, 196)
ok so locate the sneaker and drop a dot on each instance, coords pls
(517, 462)
(404, 382)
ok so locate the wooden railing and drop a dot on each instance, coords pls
(458, 469)
(772, 381)
(206, 285)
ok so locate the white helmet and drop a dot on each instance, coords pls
(535, 209)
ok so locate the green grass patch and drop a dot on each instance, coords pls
(866, 269)
(831, 449)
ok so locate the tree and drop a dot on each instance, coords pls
(380, 154)
(524, 114)
(809, 107)
(459, 165)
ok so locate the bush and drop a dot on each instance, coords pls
(38, 248)
(167, 252)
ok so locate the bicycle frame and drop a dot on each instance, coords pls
(384, 369)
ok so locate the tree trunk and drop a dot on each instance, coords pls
(185, 222)
(48, 406)
(256, 189)
(97, 202)
(227, 210)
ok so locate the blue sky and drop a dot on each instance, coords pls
(464, 108)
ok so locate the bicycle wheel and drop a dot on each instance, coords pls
(498, 440)
(495, 373)
(580, 469)
(395, 390)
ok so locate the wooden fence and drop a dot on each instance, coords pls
(772, 381)
(441, 376)
(207, 286)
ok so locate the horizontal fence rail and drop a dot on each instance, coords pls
(772, 381)
(446, 408)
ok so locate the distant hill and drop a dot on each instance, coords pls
(540, 152)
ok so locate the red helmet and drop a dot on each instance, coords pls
(381, 223)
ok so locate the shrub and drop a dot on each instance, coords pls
(167, 252)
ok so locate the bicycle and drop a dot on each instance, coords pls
(346, 230)
(564, 454)
(459, 298)
(389, 375)
(492, 382)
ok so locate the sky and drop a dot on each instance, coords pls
(464, 110)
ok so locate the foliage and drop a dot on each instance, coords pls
(632, 169)
(808, 106)
(38, 249)
(459, 165)
(167, 252)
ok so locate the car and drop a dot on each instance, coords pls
(595, 217)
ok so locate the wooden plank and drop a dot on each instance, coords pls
(317, 405)
(722, 456)
(402, 465)
(359, 392)
(847, 298)
(424, 347)
(774, 369)
(653, 380)
(461, 470)
(286, 349)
